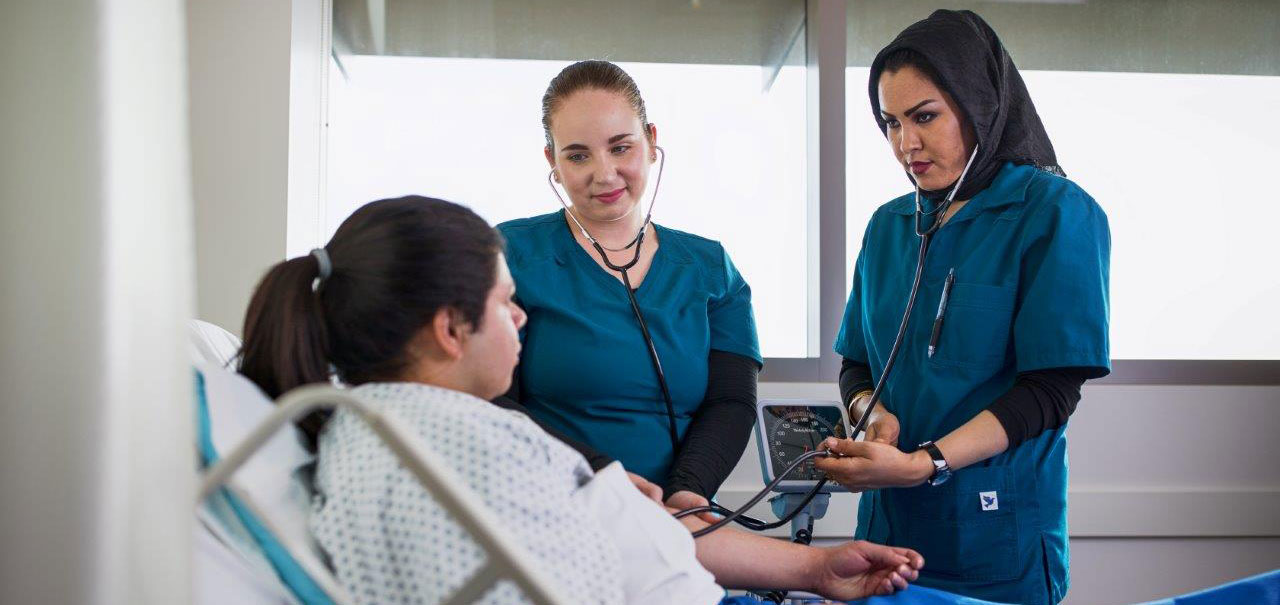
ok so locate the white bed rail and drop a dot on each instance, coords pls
(506, 559)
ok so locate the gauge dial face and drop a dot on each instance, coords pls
(795, 430)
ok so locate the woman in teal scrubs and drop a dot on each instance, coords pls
(965, 457)
(585, 371)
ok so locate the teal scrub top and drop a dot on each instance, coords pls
(585, 368)
(1031, 255)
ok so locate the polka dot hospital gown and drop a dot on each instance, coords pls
(389, 542)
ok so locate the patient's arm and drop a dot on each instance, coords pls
(849, 571)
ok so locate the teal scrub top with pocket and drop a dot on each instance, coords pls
(585, 368)
(1031, 255)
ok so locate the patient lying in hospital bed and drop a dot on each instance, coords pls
(411, 302)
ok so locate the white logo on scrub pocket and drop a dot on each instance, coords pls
(989, 500)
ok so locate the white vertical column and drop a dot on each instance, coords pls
(149, 477)
(96, 468)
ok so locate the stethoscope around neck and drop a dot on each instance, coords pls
(635, 242)
(925, 234)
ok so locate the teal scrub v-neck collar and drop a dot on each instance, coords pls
(1008, 188)
(569, 251)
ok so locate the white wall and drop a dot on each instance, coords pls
(238, 63)
(50, 182)
(1172, 487)
(95, 453)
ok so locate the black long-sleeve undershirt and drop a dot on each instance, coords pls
(720, 429)
(1038, 401)
(715, 439)
(855, 377)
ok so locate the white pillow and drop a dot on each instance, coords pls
(230, 406)
(212, 344)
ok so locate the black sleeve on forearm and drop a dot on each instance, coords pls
(720, 428)
(1038, 401)
(855, 376)
(511, 401)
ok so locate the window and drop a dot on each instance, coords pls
(446, 102)
(1160, 111)
(1166, 123)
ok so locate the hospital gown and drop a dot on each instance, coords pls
(389, 542)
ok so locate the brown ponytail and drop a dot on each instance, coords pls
(394, 264)
(285, 343)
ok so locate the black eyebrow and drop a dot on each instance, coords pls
(907, 113)
(613, 139)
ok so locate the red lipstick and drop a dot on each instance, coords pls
(610, 197)
(920, 167)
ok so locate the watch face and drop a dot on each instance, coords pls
(940, 477)
(793, 431)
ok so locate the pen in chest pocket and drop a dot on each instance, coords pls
(942, 311)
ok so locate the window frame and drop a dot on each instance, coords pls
(826, 66)
(826, 33)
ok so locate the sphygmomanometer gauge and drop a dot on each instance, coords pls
(798, 433)
(789, 429)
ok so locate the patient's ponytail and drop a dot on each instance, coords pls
(284, 331)
(386, 272)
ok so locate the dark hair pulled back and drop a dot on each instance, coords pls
(591, 75)
(395, 264)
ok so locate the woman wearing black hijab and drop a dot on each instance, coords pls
(965, 457)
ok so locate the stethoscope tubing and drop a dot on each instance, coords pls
(925, 235)
(648, 339)
(637, 242)
(739, 516)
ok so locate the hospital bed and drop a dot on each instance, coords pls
(252, 546)
(251, 538)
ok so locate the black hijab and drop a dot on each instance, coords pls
(974, 68)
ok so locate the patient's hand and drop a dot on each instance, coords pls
(685, 499)
(646, 487)
(860, 569)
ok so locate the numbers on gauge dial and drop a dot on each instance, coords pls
(794, 434)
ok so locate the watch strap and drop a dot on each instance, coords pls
(941, 470)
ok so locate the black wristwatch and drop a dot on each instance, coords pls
(941, 470)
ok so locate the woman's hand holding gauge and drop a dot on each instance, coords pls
(864, 465)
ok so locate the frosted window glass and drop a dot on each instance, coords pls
(469, 130)
(1182, 164)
